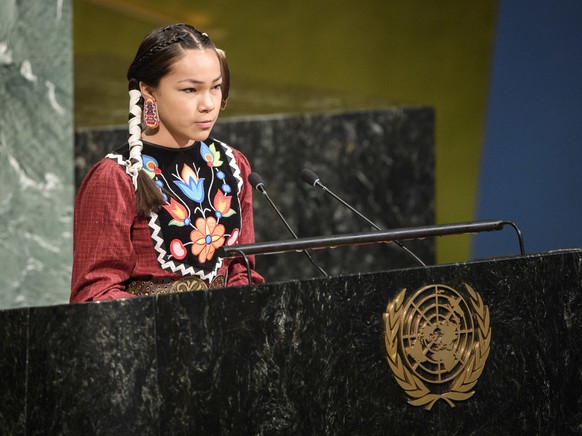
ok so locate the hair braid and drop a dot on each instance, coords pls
(148, 196)
(135, 161)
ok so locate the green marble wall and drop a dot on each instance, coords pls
(36, 152)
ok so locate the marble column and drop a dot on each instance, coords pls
(36, 151)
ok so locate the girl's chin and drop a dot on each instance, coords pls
(201, 138)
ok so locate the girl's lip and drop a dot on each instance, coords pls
(205, 123)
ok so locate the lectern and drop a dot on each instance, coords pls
(310, 356)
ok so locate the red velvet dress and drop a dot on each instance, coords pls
(113, 246)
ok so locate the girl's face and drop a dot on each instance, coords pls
(188, 99)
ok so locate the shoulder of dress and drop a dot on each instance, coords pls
(108, 169)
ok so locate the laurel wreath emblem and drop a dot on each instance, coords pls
(462, 386)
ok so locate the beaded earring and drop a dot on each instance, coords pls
(151, 114)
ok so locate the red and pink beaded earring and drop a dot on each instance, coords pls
(151, 114)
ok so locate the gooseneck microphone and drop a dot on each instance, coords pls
(256, 182)
(313, 179)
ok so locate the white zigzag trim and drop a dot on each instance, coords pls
(233, 165)
(236, 173)
(119, 159)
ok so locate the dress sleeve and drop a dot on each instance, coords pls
(103, 253)
(237, 271)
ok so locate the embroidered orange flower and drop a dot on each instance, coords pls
(221, 204)
(206, 238)
(178, 212)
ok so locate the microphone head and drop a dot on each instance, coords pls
(256, 182)
(309, 176)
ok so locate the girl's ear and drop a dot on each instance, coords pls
(146, 90)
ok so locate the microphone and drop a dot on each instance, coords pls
(313, 179)
(257, 182)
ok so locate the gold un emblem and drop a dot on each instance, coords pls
(437, 338)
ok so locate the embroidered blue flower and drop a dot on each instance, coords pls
(190, 184)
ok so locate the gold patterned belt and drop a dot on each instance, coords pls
(169, 286)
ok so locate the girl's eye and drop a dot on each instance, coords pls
(218, 86)
(189, 90)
